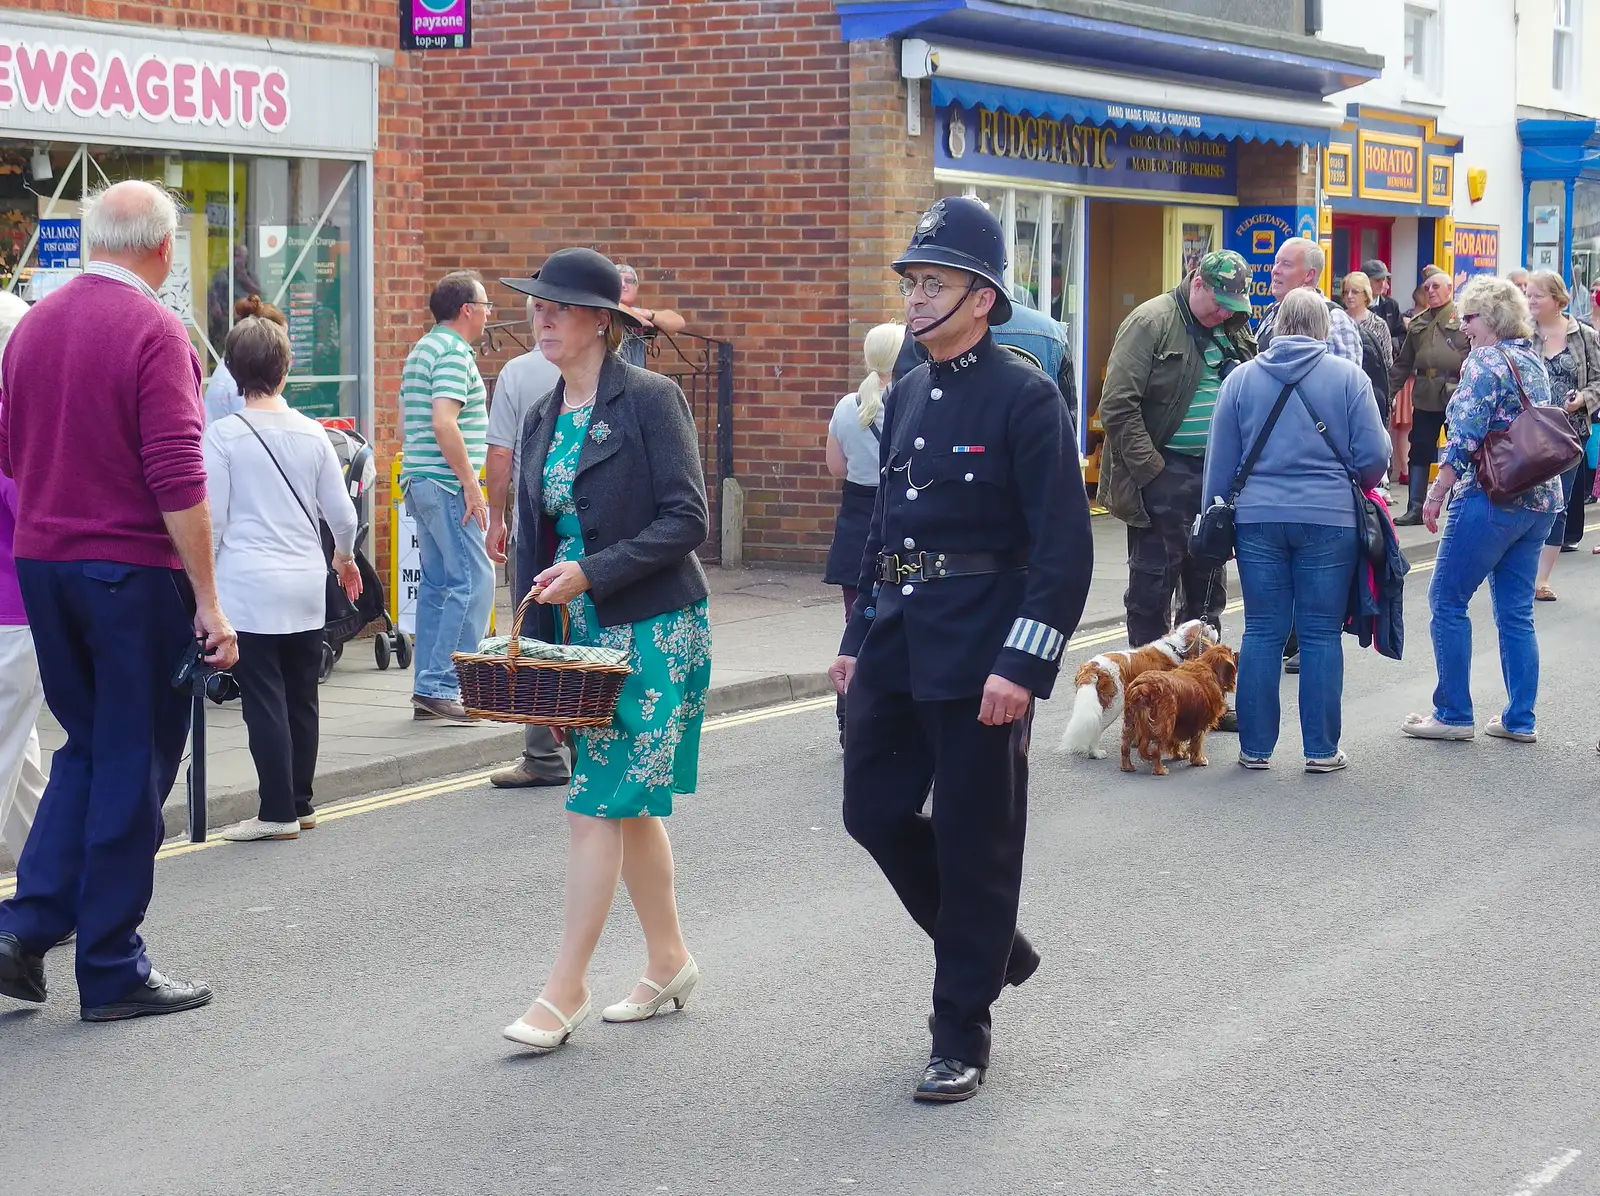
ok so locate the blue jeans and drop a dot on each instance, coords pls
(1502, 544)
(1293, 575)
(457, 590)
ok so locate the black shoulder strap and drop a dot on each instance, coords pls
(1327, 437)
(315, 526)
(1249, 464)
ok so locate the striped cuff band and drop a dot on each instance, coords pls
(1036, 639)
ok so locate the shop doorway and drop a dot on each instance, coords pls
(1126, 266)
(1357, 239)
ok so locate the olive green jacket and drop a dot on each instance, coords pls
(1151, 378)
(1434, 348)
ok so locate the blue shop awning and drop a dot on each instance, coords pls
(1080, 110)
(1187, 47)
(1559, 149)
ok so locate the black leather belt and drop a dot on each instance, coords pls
(1448, 377)
(895, 568)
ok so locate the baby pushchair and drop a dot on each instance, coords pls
(360, 471)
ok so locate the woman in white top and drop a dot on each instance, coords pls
(271, 472)
(852, 455)
(222, 396)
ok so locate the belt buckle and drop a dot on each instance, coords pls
(910, 572)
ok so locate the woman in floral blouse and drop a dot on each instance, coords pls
(614, 497)
(1482, 541)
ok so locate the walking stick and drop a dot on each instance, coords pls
(197, 760)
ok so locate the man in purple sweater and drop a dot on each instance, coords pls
(100, 425)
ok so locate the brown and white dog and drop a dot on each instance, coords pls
(1103, 683)
(1168, 714)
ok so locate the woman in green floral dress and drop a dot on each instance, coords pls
(610, 509)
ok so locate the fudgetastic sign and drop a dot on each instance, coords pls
(48, 77)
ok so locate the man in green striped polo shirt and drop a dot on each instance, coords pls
(1161, 385)
(446, 420)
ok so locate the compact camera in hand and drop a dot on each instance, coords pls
(220, 686)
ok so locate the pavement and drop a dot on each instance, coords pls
(774, 631)
(1254, 984)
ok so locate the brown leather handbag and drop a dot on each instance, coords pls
(1539, 445)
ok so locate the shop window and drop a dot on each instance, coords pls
(285, 229)
(1564, 50)
(1423, 53)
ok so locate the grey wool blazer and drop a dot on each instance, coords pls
(640, 493)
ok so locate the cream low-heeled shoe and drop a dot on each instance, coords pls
(675, 993)
(543, 1041)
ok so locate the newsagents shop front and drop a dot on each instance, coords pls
(269, 151)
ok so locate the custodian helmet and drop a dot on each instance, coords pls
(964, 235)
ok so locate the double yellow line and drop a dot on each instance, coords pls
(401, 797)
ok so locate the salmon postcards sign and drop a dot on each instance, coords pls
(158, 87)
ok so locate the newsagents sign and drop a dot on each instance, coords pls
(77, 81)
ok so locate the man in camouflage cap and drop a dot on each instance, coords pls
(1170, 357)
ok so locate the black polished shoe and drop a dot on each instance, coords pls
(948, 1080)
(1229, 723)
(21, 971)
(1291, 664)
(1021, 971)
(1412, 518)
(156, 995)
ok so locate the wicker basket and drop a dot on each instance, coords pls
(521, 689)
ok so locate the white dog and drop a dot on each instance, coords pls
(1103, 683)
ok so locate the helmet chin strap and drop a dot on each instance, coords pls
(972, 286)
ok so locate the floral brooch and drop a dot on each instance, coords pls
(600, 431)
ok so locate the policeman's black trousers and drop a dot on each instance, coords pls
(1159, 565)
(958, 872)
(277, 677)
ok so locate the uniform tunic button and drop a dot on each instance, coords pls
(919, 442)
(911, 494)
(907, 589)
(936, 393)
(909, 542)
(969, 477)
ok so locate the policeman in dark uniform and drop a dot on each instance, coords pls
(975, 574)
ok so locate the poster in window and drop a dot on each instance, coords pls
(177, 293)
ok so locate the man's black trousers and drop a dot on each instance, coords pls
(1159, 564)
(958, 872)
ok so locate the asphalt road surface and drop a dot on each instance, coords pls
(1380, 981)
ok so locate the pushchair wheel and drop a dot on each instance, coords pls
(380, 650)
(326, 669)
(402, 649)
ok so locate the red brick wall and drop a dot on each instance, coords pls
(707, 143)
(399, 262)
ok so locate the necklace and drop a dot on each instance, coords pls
(579, 405)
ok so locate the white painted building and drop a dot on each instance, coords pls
(1430, 159)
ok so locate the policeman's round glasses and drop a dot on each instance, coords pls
(930, 286)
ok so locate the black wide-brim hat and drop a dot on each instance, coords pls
(579, 278)
(962, 234)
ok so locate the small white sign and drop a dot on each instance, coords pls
(408, 570)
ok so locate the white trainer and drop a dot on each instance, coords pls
(253, 830)
(676, 993)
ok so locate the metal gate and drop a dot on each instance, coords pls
(703, 368)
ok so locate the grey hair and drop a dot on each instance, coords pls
(129, 217)
(12, 309)
(624, 268)
(1311, 252)
(1499, 304)
(1303, 313)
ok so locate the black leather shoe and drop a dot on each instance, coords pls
(21, 971)
(948, 1080)
(1022, 970)
(1412, 518)
(1229, 723)
(1291, 664)
(156, 995)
